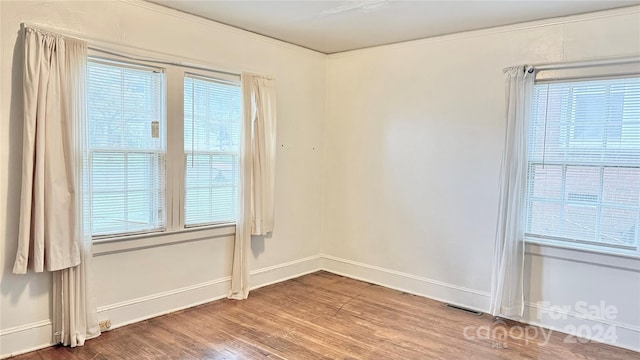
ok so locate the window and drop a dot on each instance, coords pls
(212, 115)
(584, 162)
(141, 177)
(126, 148)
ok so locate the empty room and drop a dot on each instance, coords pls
(361, 179)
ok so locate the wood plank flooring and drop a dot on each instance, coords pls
(325, 316)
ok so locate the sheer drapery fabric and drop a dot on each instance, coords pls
(257, 180)
(52, 182)
(507, 286)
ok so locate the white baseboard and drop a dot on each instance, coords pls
(412, 284)
(135, 310)
(25, 338)
(597, 329)
(34, 336)
(143, 308)
(282, 272)
(627, 336)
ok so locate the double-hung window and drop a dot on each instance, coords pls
(141, 179)
(584, 163)
(211, 135)
(126, 148)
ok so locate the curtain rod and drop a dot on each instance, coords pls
(586, 63)
(161, 62)
(92, 44)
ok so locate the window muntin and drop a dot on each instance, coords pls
(584, 162)
(126, 148)
(212, 113)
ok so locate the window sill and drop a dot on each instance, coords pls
(625, 260)
(142, 241)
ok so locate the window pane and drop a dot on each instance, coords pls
(579, 222)
(126, 156)
(584, 162)
(547, 181)
(545, 218)
(212, 116)
(618, 226)
(622, 186)
(211, 188)
(582, 185)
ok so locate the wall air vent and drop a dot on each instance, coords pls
(473, 312)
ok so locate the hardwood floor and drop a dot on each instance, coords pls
(325, 316)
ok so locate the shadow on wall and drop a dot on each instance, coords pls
(15, 285)
(257, 244)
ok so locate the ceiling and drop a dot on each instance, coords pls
(335, 26)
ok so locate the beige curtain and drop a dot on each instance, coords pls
(52, 186)
(507, 287)
(257, 159)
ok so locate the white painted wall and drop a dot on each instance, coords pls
(140, 283)
(413, 141)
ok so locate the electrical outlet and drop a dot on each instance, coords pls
(105, 325)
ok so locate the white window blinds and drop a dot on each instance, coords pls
(584, 162)
(126, 142)
(212, 113)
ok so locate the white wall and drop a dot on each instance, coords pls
(140, 283)
(413, 141)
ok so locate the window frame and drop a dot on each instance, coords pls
(581, 246)
(174, 229)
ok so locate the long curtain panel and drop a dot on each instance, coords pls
(257, 159)
(507, 287)
(52, 186)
